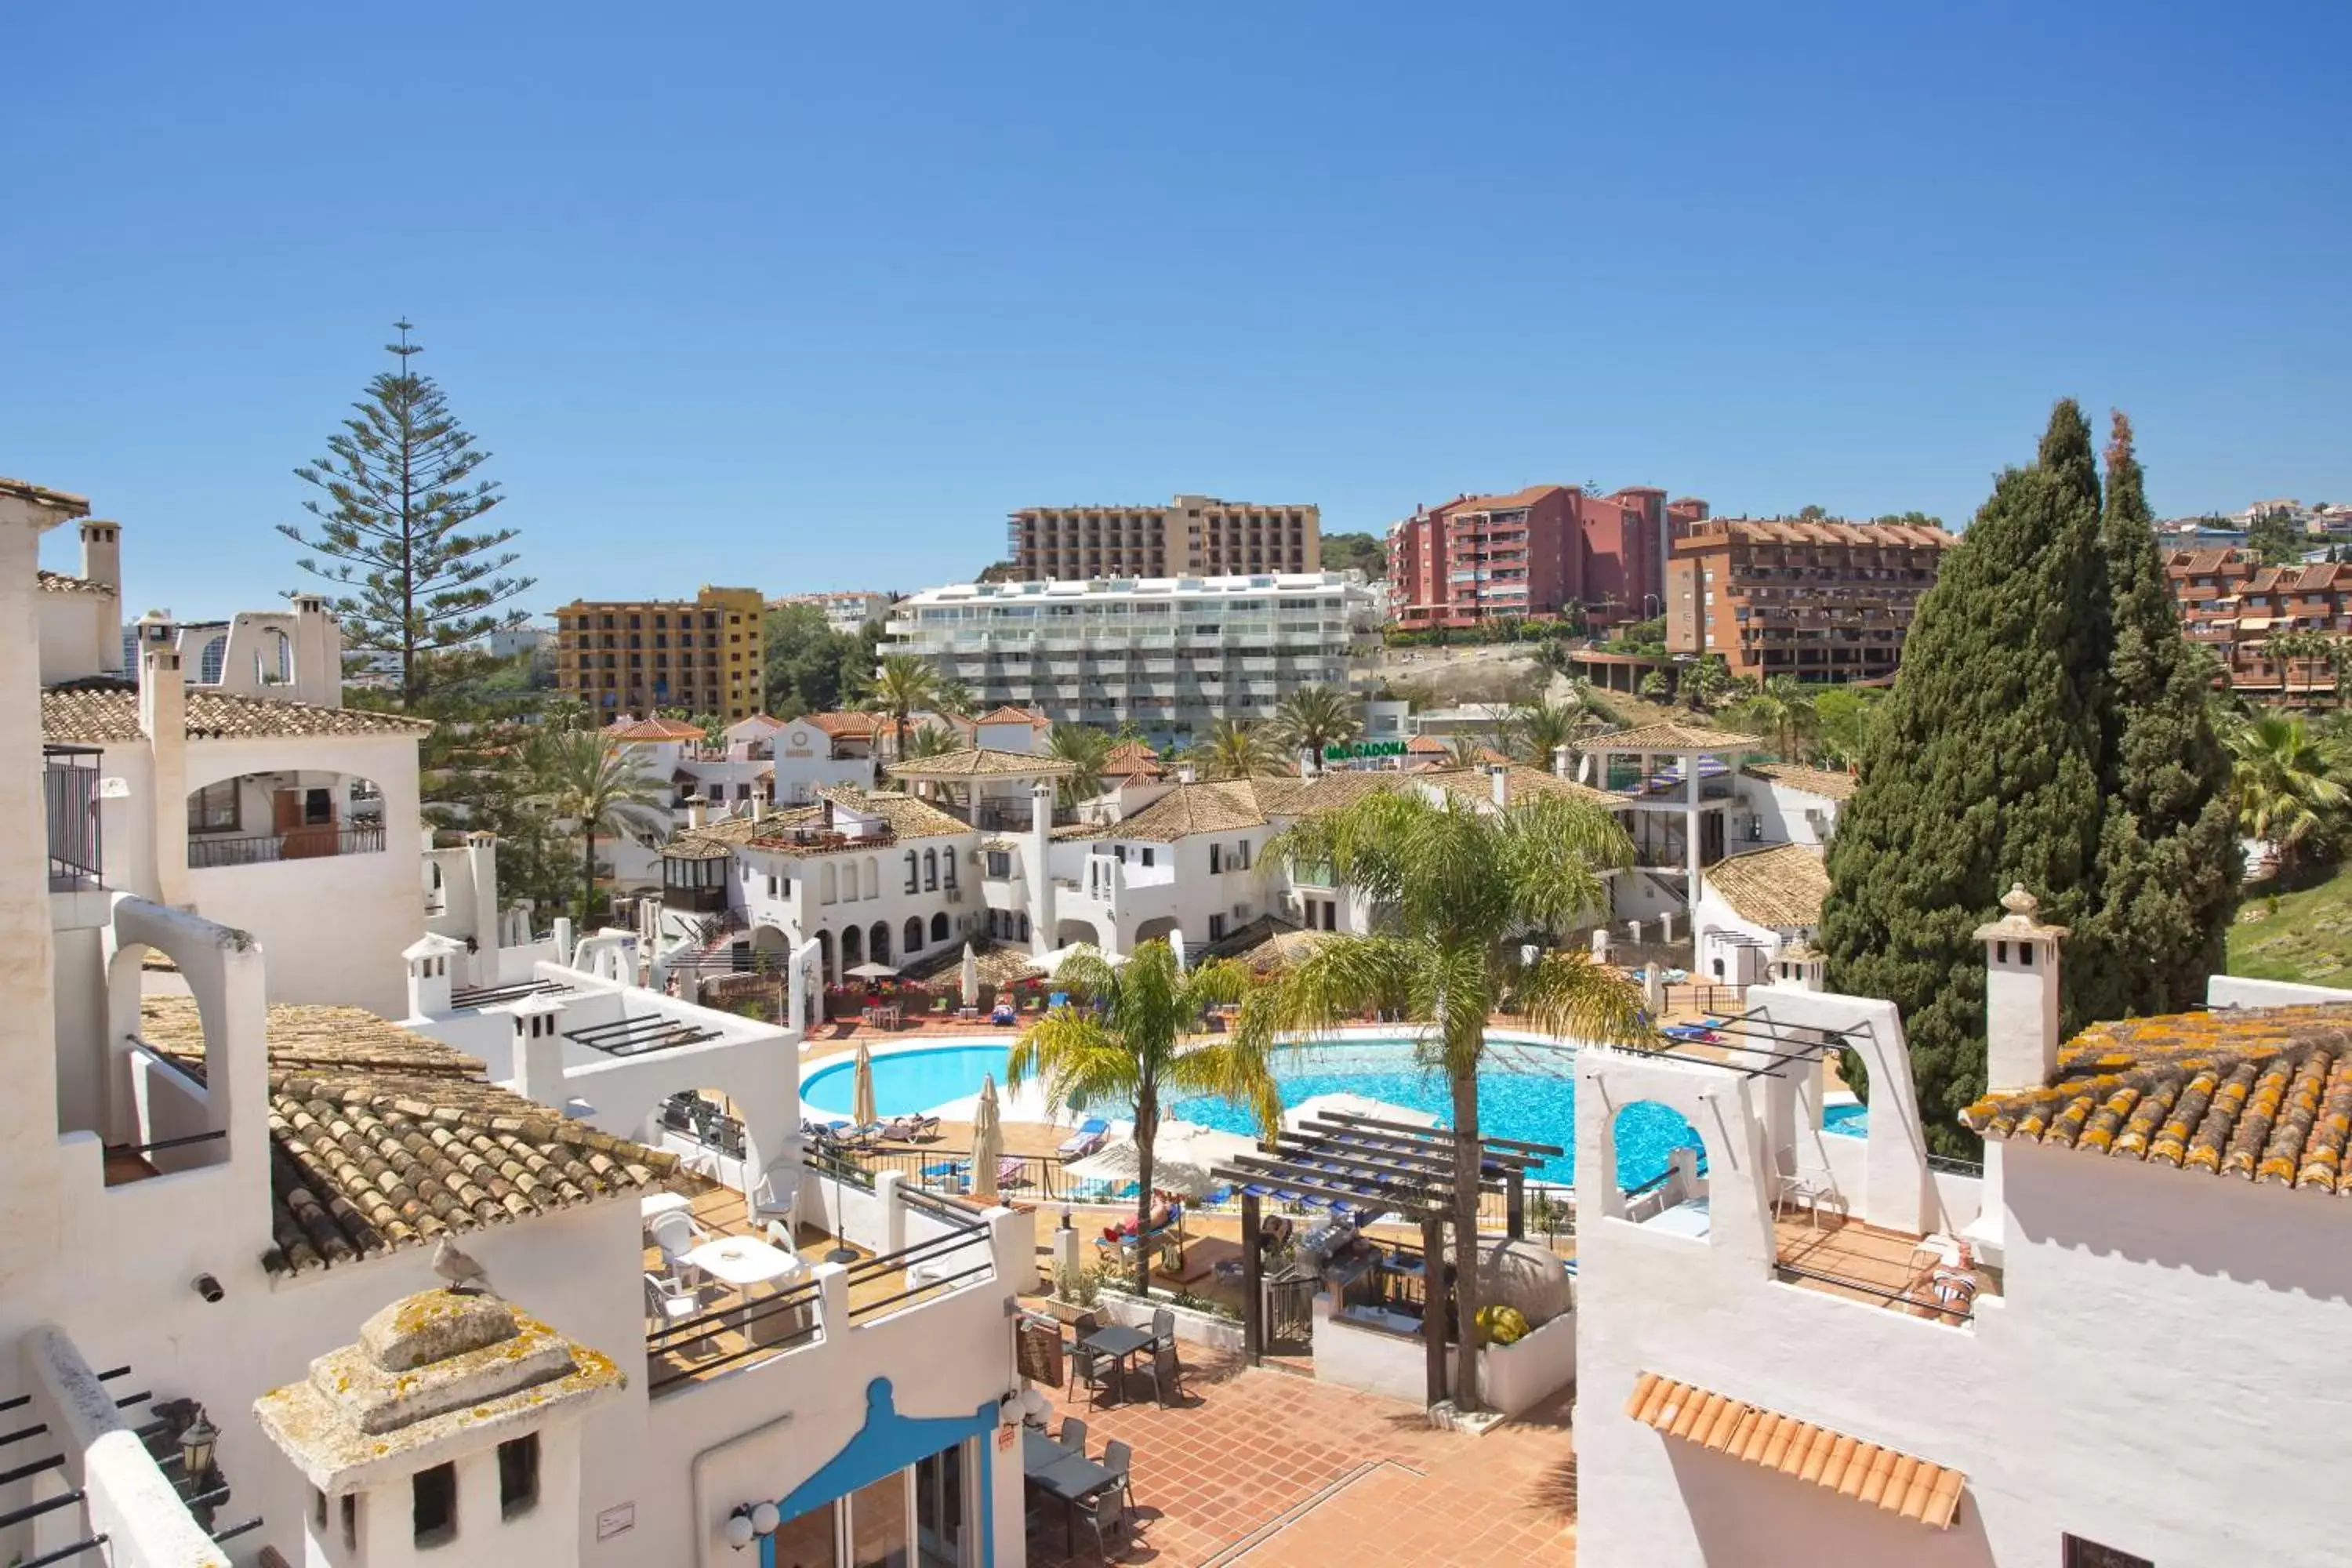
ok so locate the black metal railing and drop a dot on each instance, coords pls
(1959, 1313)
(797, 1308)
(213, 849)
(69, 790)
(934, 1252)
(1952, 1166)
(834, 1167)
(1039, 1177)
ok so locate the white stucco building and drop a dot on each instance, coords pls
(226, 1195)
(1756, 1393)
(1173, 653)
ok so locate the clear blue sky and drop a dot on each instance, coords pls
(810, 296)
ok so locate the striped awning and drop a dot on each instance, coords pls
(1900, 1483)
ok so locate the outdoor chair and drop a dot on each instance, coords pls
(1163, 1329)
(668, 1302)
(1119, 1458)
(1103, 1512)
(1085, 1139)
(676, 1235)
(1073, 1435)
(1165, 1373)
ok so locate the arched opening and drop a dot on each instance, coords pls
(296, 814)
(878, 942)
(772, 941)
(825, 956)
(1159, 927)
(1646, 1134)
(1070, 932)
(210, 660)
(939, 927)
(852, 950)
(911, 940)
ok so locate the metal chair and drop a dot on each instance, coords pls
(1163, 1327)
(1073, 1435)
(1093, 1509)
(1166, 1374)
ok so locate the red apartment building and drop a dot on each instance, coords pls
(1534, 553)
(2234, 606)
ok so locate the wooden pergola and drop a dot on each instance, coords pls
(1364, 1168)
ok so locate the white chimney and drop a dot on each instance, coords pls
(1498, 783)
(537, 1067)
(697, 812)
(1310, 762)
(428, 975)
(163, 718)
(759, 802)
(101, 552)
(1187, 773)
(482, 871)
(1800, 966)
(1560, 762)
(2020, 995)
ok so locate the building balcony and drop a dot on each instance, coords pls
(311, 842)
(70, 791)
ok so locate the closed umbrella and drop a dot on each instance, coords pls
(987, 1141)
(861, 1092)
(971, 977)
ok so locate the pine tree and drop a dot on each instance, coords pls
(397, 496)
(1982, 770)
(2168, 861)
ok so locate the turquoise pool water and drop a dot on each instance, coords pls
(906, 1081)
(1533, 1108)
(1851, 1120)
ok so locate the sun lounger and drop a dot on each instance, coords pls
(1085, 1139)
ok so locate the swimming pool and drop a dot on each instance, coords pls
(1533, 1108)
(1851, 1117)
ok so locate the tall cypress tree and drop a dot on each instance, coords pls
(2169, 860)
(1983, 769)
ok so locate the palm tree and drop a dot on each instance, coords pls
(904, 684)
(1088, 750)
(1783, 709)
(2283, 777)
(1467, 752)
(954, 696)
(1235, 750)
(1314, 717)
(594, 783)
(930, 741)
(1540, 729)
(1131, 1034)
(1458, 889)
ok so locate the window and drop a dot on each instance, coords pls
(946, 864)
(913, 873)
(1216, 859)
(2025, 953)
(2081, 1554)
(1146, 854)
(1216, 925)
(1000, 863)
(930, 871)
(1241, 854)
(518, 1476)
(318, 807)
(351, 1521)
(939, 927)
(212, 810)
(775, 887)
(434, 1504)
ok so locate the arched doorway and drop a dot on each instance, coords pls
(912, 938)
(824, 955)
(878, 942)
(1156, 928)
(852, 950)
(939, 926)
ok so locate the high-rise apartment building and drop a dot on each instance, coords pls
(707, 655)
(1821, 601)
(1535, 552)
(1191, 536)
(1173, 654)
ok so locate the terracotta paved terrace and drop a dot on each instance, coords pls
(1269, 1469)
(1864, 1264)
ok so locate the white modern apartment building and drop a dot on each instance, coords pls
(1173, 653)
(850, 610)
(219, 1203)
(2092, 1351)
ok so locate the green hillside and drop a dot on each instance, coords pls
(2303, 935)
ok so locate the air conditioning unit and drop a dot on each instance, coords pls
(955, 895)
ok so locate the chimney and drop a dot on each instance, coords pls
(1560, 762)
(759, 802)
(1799, 965)
(1498, 782)
(318, 653)
(1187, 773)
(537, 1070)
(2020, 995)
(1041, 870)
(482, 871)
(698, 811)
(1310, 762)
(428, 975)
(101, 553)
(163, 719)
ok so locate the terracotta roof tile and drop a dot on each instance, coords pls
(41, 495)
(1475, 784)
(1673, 738)
(1812, 780)
(1192, 808)
(655, 729)
(1133, 759)
(97, 716)
(2262, 1094)
(1265, 943)
(979, 762)
(907, 816)
(1779, 887)
(1901, 1484)
(1828, 530)
(383, 1139)
(1008, 714)
(58, 582)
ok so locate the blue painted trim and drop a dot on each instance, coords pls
(889, 1443)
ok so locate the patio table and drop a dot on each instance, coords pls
(1119, 1344)
(1063, 1473)
(749, 1264)
(653, 1205)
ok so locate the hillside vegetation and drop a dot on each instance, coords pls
(2305, 935)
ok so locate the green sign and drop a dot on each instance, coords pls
(1343, 752)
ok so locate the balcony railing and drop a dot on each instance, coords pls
(212, 850)
(69, 789)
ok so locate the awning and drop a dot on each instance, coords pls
(1900, 1483)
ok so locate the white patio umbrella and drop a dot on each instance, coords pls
(861, 1091)
(874, 971)
(1314, 1105)
(1181, 1158)
(971, 977)
(987, 1141)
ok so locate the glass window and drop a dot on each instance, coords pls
(878, 1524)
(939, 1525)
(806, 1541)
(212, 810)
